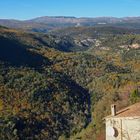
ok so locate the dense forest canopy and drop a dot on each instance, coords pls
(60, 86)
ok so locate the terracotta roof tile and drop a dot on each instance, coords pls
(131, 111)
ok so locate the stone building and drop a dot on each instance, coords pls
(124, 124)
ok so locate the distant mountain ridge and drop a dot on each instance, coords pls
(48, 23)
(96, 19)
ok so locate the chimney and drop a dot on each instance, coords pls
(113, 110)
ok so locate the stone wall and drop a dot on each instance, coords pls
(127, 128)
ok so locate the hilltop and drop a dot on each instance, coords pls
(46, 23)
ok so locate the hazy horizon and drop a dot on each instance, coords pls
(67, 17)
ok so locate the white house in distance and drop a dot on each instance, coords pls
(123, 125)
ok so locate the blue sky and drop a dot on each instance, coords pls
(27, 9)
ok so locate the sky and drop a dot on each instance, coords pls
(28, 9)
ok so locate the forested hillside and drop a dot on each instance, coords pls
(61, 86)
